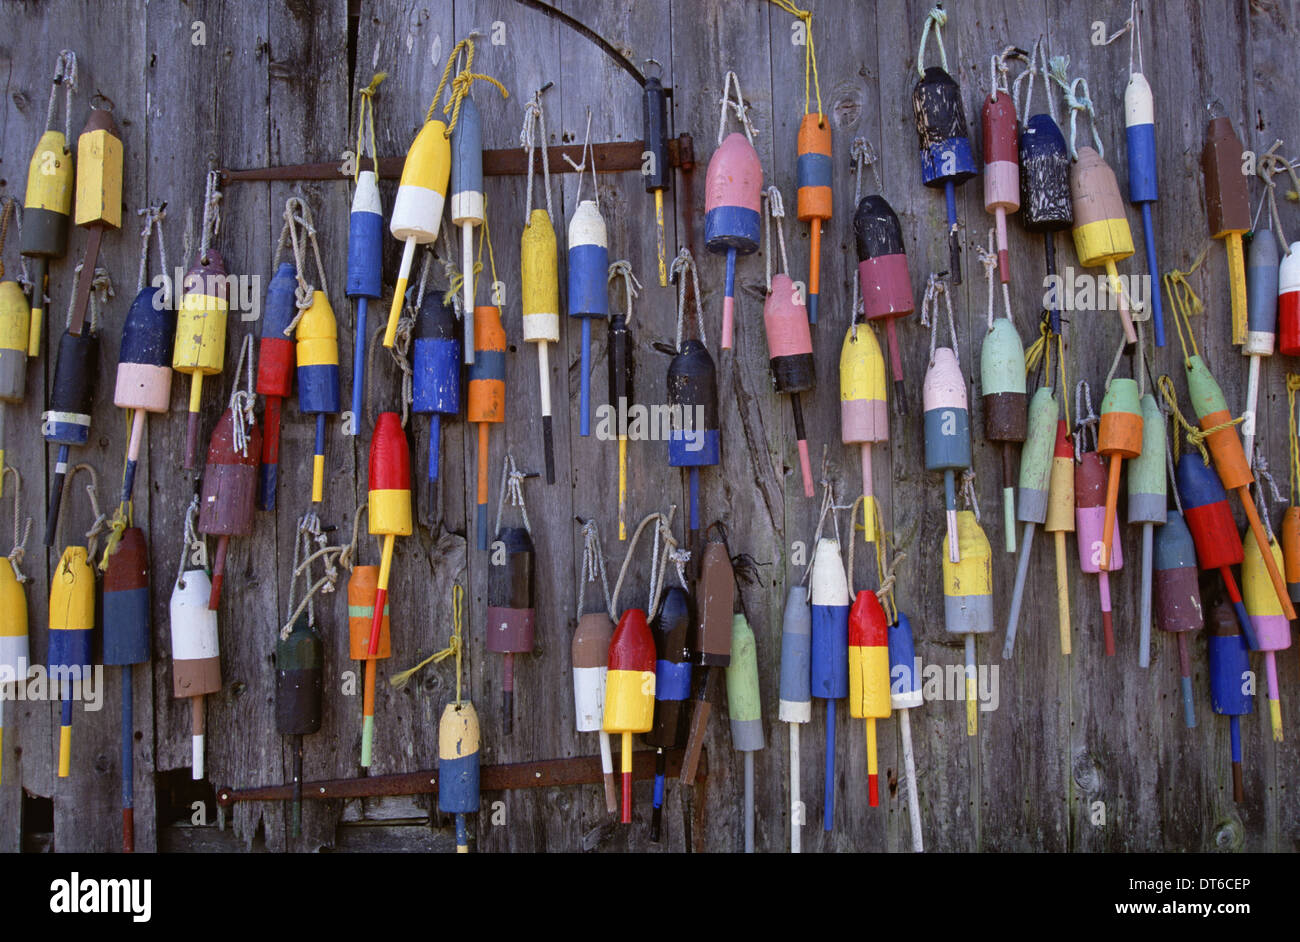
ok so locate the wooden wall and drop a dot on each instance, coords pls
(275, 83)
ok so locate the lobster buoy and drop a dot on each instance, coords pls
(486, 400)
(458, 765)
(1229, 676)
(362, 585)
(693, 441)
(15, 318)
(200, 348)
(1090, 518)
(1002, 376)
(1102, 236)
(1035, 478)
(733, 188)
(1272, 629)
(227, 501)
(275, 367)
(1262, 272)
(468, 203)
(1147, 497)
(144, 371)
(1001, 170)
(47, 208)
(864, 417)
(968, 600)
(67, 422)
(1227, 207)
(436, 380)
(671, 627)
(1045, 192)
(417, 210)
(1178, 596)
(512, 610)
(196, 653)
(869, 676)
(365, 281)
(588, 294)
(829, 596)
(947, 432)
(795, 705)
(299, 663)
(72, 622)
(813, 198)
(1119, 437)
(744, 705)
(1060, 521)
(946, 157)
(127, 633)
(1143, 189)
(883, 276)
(630, 691)
(318, 377)
(789, 347)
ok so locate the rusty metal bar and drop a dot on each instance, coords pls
(546, 773)
(614, 157)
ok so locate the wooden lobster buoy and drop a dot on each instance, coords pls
(275, 368)
(1178, 596)
(829, 595)
(654, 121)
(99, 197)
(436, 380)
(947, 432)
(1229, 670)
(1272, 629)
(127, 632)
(1227, 207)
(511, 613)
(389, 514)
(72, 622)
(1143, 189)
(710, 642)
(228, 498)
(864, 417)
(1060, 521)
(1001, 170)
(417, 209)
(317, 339)
(1262, 269)
(47, 208)
(1045, 191)
(744, 705)
(144, 372)
(200, 348)
(486, 402)
(883, 276)
(196, 652)
(630, 690)
(1102, 236)
(361, 614)
(672, 633)
(790, 356)
(1006, 419)
(905, 695)
(590, 654)
(1288, 302)
(869, 676)
(468, 209)
(15, 319)
(813, 198)
(968, 600)
(1120, 437)
(14, 649)
(541, 313)
(1205, 507)
(692, 394)
(946, 157)
(1035, 478)
(67, 422)
(1090, 519)
(458, 762)
(1291, 551)
(365, 281)
(588, 294)
(795, 705)
(299, 662)
(1147, 496)
(620, 352)
(1230, 462)
(733, 190)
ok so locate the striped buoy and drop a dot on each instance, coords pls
(1147, 497)
(389, 513)
(654, 121)
(196, 652)
(672, 626)
(813, 198)
(864, 417)
(200, 348)
(362, 585)
(15, 318)
(512, 610)
(1291, 551)
(620, 354)
(829, 596)
(588, 295)
(1178, 596)
(795, 705)
(468, 203)
(72, 622)
(905, 695)
(1090, 518)
(1262, 270)
(883, 276)
(1001, 169)
(733, 189)
(47, 209)
(1230, 675)
(694, 436)
(144, 372)
(1002, 376)
(14, 649)
(947, 432)
(275, 368)
(486, 400)
(99, 198)
(1045, 192)
(417, 209)
(458, 762)
(317, 350)
(1288, 302)
(1035, 482)
(541, 313)
(744, 705)
(436, 380)
(1272, 629)
(968, 600)
(1227, 207)
(869, 676)
(1143, 188)
(589, 652)
(299, 663)
(67, 422)
(365, 281)
(790, 357)
(946, 157)
(1119, 437)
(630, 690)
(227, 500)
(127, 634)
(1060, 521)
(1101, 232)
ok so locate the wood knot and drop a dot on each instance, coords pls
(846, 106)
(1086, 773)
(1229, 835)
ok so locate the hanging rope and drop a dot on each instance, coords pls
(886, 574)
(1076, 102)
(1170, 453)
(631, 287)
(12, 210)
(861, 156)
(935, 19)
(828, 509)
(486, 237)
(211, 215)
(189, 539)
(366, 125)
(738, 106)
(455, 647)
(301, 229)
(775, 209)
(534, 124)
(593, 566)
(809, 59)
(512, 483)
(241, 400)
(350, 550)
(1088, 421)
(999, 70)
(1262, 474)
(580, 168)
(683, 263)
(154, 216)
(935, 288)
(1267, 167)
(460, 85)
(100, 523)
(65, 74)
(627, 558)
(101, 292)
(968, 492)
(21, 532)
(1194, 435)
(309, 531)
(1185, 303)
(989, 259)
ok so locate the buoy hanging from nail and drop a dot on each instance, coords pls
(486, 400)
(1102, 236)
(362, 585)
(144, 372)
(1262, 271)
(1090, 518)
(1272, 629)
(1060, 521)
(512, 588)
(435, 384)
(829, 595)
(1035, 481)
(318, 377)
(694, 436)
(654, 123)
(1147, 496)
(299, 665)
(864, 416)
(14, 646)
(629, 690)
(47, 204)
(589, 652)
(1119, 436)
(886, 282)
(1178, 597)
(869, 676)
(196, 647)
(672, 627)
(1143, 186)
(389, 514)
(127, 634)
(620, 353)
(1291, 519)
(905, 695)
(1229, 680)
(733, 189)
(99, 198)
(458, 766)
(1001, 159)
(946, 157)
(947, 418)
(795, 705)
(1227, 208)
(745, 709)
(711, 640)
(365, 274)
(200, 348)
(789, 341)
(813, 198)
(275, 369)
(15, 321)
(588, 275)
(468, 203)
(968, 600)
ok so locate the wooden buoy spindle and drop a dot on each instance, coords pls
(99, 197)
(1227, 207)
(620, 352)
(654, 122)
(864, 416)
(905, 695)
(1001, 158)
(745, 709)
(1119, 436)
(458, 750)
(196, 647)
(1102, 236)
(1032, 510)
(512, 588)
(362, 585)
(711, 639)
(365, 272)
(15, 322)
(968, 600)
(733, 189)
(1143, 186)
(1291, 519)
(1060, 521)
(1272, 628)
(588, 266)
(15, 650)
(389, 514)
(947, 417)
(590, 655)
(1262, 271)
(1090, 482)
(813, 198)
(486, 400)
(1229, 680)
(275, 370)
(436, 367)
(869, 675)
(795, 705)
(1177, 594)
(672, 626)
(883, 275)
(692, 387)
(829, 595)
(1147, 496)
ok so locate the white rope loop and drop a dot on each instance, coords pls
(935, 288)
(512, 483)
(683, 263)
(738, 106)
(631, 287)
(211, 215)
(936, 19)
(775, 210)
(1088, 421)
(588, 150)
(154, 216)
(241, 400)
(535, 124)
(65, 74)
(189, 538)
(21, 532)
(593, 567)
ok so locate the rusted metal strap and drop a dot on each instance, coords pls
(547, 773)
(615, 157)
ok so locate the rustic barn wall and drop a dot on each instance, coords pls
(199, 84)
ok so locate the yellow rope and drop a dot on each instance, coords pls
(466, 44)
(492, 258)
(1185, 302)
(809, 59)
(460, 85)
(367, 109)
(1292, 384)
(1193, 435)
(454, 646)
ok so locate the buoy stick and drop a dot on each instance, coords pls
(584, 382)
(749, 802)
(399, 293)
(828, 779)
(318, 461)
(729, 300)
(659, 238)
(482, 513)
(626, 766)
(1018, 592)
(796, 803)
(1274, 699)
(909, 769)
(381, 594)
(295, 745)
(694, 478)
(607, 770)
(1049, 257)
(467, 277)
(192, 426)
(1185, 669)
(1009, 495)
(358, 367)
(1149, 243)
(1107, 622)
(972, 705)
(950, 502)
(873, 771)
(544, 376)
(1130, 335)
(622, 487)
(1238, 789)
(1237, 279)
(1062, 592)
(65, 730)
(1238, 606)
(1261, 539)
(198, 729)
(896, 364)
(1144, 599)
(132, 451)
(435, 449)
(1112, 502)
(868, 496)
(954, 245)
(368, 712)
(1252, 401)
(128, 760)
(508, 697)
(805, 463)
(814, 268)
(56, 495)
